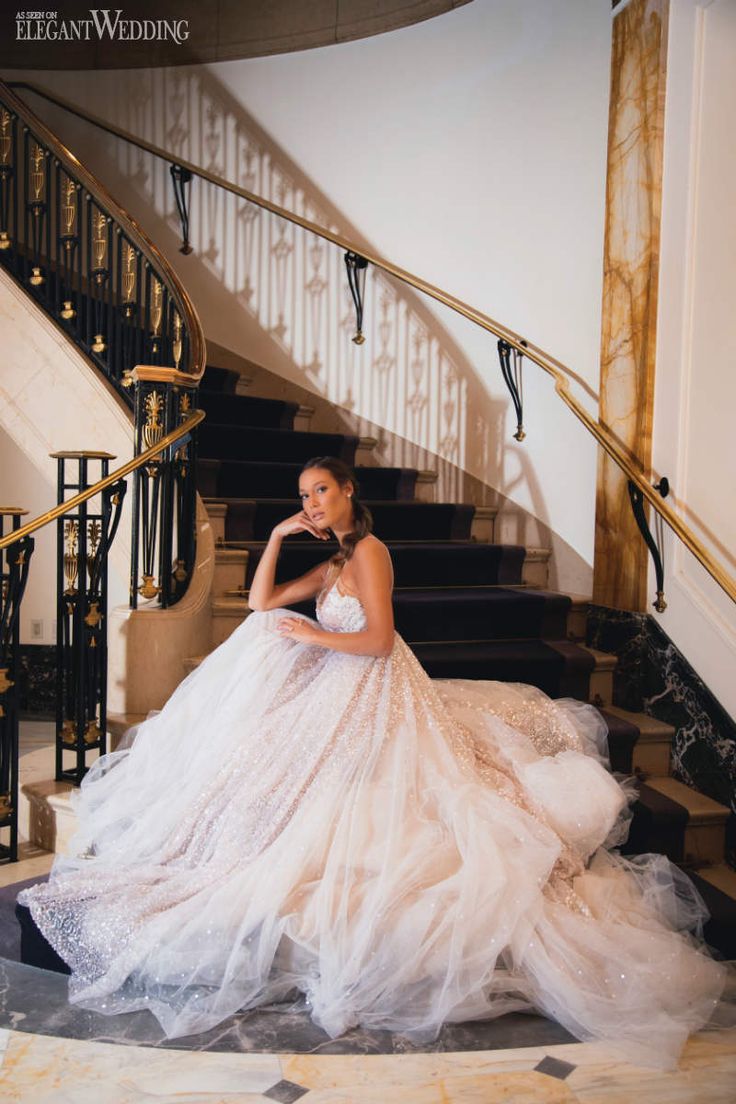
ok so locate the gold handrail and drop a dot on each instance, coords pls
(137, 461)
(544, 360)
(136, 232)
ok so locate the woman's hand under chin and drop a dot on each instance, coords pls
(300, 523)
(296, 628)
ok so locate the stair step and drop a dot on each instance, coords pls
(560, 668)
(479, 613)
(652, 749)
(674, 819)
(231, 565)
(416, 564)
(247, 410)
(253, 519)
(717, 887)
(253, 479)
(601, 682)
(233, 442)
(220, 379)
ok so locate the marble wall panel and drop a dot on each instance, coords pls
(652, 676)
(631, 268)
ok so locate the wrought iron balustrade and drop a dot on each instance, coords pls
(15, 559)
(84, 260)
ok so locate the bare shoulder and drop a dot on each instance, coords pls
(370, 551)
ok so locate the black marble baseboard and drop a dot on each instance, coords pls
(653, 677)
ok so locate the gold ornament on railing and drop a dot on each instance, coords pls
(99, 243)
(69, 732)
(5, 138)
(148, 588)
(157, 308)
(37, 176)
(71, 559)
(6, 143)
(129, 278)
(68, 211)
(99, 255)
(185, 409)
(37, 205)
(177, 344)
(94, 532)
(153, 429)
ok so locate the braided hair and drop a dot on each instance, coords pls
(362, 520)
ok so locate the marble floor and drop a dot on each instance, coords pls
(50, 1052)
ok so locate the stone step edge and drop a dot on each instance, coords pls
(651, 730)
(701, 809)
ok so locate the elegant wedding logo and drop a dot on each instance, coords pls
(103, 23)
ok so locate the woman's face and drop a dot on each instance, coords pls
(324, 500)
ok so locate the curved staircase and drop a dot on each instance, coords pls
(463, 605)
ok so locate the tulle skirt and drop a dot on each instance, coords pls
(401, 851)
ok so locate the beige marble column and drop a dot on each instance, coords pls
(631, 268)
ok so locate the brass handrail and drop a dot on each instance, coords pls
(136, 232)
(137, 461)
(544, 360)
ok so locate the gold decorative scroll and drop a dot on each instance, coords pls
(6, 140)
(37, 173)
(71, 559)
(68, 208)
(129, 273)
(99, 239)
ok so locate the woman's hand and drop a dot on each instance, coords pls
(296, 628)
(299, 523)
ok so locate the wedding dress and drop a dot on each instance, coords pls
(405, 852)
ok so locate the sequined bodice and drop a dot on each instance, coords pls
(340, 612)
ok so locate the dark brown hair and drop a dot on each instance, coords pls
(362, 520)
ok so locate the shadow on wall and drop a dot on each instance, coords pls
(278, 296)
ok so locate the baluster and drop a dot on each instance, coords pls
(8, 133)
(68, 243)
(14, 563)
(164, 488)
(36, 207)
(84, 539)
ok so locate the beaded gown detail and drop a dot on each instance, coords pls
(403, 851)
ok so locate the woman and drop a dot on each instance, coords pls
(311, 812)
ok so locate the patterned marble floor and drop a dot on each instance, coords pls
(52, 1054)
(40, 1069)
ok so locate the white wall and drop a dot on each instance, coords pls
(470, 149)
(50, 401)
(694, 443)
(22, 484)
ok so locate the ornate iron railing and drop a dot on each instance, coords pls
(512, 347)
(14, 562)
(85, 536)
(84, 260)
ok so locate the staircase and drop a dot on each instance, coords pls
(466, 607)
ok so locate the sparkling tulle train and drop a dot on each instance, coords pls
(405, 852)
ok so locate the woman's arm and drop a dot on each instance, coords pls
(373, 577)
(264, 593)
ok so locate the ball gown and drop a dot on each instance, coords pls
(403, 852)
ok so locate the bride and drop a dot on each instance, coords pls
(311, 812)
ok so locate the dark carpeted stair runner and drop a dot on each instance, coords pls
(453, 599)
(241, 442)
(253, 519)
(255, 479)
(445, 564)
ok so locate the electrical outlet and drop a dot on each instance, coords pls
(37, 630)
